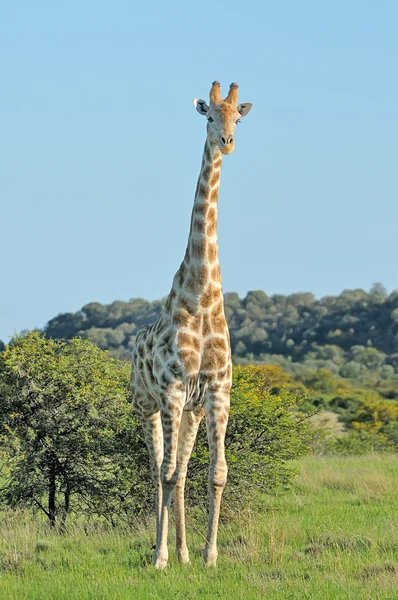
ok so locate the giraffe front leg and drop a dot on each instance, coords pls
(217, 411)
(171, 413)
(186, 439)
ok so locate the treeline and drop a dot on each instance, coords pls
(353, 335)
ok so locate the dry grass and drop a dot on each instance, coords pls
(329, 421)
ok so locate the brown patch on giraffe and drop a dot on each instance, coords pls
(203, 191)
(189, 359)
(212, 252)
(207, 153)
(217, 316)
(190, 341)
(218, 308)
(215, 273)
(180, 385)
(206, 327)
(141, 368)
(182, 318)
(159, 326)
(224, 376)
(198, 248)
(214, 354)
(149, 343)
(204, 275)
(226, 387)
(199, 225)
(175, 367)
(190, 283)
(206, 172)
(187, 303)
(197, 278)
(149, 377)
(219, 324)
(211, 222)
(166, 378)
(216, 343)
(182, 271)
(214, 195)
(200, 205)
(157, 365)
(215, 178)
(211, 213)
(207, 297)
(166, 337)
(211, 295)
(163, 352)
(217, 164)
(196, 324)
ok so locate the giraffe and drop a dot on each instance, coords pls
(181, 364)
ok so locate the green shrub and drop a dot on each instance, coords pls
(265, 432)
(68, 437)
(359, 442)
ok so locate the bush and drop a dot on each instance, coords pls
(360, 441)
(69, 439)
(265, 432)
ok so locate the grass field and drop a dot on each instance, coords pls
(333, 536)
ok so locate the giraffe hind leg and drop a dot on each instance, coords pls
(152, 427)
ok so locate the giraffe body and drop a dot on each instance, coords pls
(181, 364)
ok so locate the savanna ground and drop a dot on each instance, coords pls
(333, 536)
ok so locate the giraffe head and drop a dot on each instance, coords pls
(222, 116)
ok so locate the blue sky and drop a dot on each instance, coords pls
(100, 148)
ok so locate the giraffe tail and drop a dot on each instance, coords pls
(195, 394)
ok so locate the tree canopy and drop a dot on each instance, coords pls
(68, 437)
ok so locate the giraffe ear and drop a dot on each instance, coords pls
(200, 106)
(245, 108)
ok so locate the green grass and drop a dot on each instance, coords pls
(334, 536)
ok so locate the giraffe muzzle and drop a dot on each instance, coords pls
(227, 144)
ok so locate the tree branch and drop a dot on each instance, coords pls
(42, 507)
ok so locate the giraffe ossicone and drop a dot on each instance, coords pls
(181, 364)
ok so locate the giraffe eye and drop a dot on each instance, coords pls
(238, 121)
(210, 119)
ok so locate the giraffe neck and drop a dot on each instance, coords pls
(199, 273)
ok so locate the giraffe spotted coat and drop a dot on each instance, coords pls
(181, 364)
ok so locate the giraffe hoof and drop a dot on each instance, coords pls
(160, 562)
(183, 556)
(210, 557)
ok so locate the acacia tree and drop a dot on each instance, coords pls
(68, 437)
